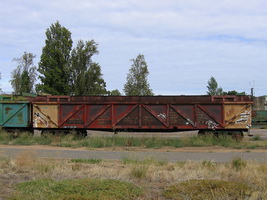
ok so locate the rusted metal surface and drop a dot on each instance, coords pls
(143, 99)
(155, 113)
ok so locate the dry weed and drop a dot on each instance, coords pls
(25, 159)
(153, 177)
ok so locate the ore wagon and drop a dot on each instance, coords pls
(15, 113)
(259, 118)
(226, 114)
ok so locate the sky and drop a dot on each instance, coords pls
(184, 42)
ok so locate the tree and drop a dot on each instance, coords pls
(137, 84)
(24, 76)
(233, 92)
(54, 65)
(86, 75)
(213, 87)
(114, 93)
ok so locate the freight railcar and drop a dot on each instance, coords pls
(259, 118)
(15, 113)
(219, 114)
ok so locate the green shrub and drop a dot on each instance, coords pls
(89, 189)
(238, 163)
(208, 190)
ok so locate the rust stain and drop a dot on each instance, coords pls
(8, 109)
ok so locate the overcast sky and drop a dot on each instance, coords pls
(185, 42)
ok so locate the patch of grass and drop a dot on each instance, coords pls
(208, 164)
(42, 140)
(147, 161)
(208, 190)
(24, 138)
(139, 171)
(89, 161)
(79, 189)
(154, 142)
(256, 138)
(44, 168)
(4, 137)
(238, 163)
(209, 140)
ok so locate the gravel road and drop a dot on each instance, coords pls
(62, 153)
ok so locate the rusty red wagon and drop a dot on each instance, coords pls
(230, 114)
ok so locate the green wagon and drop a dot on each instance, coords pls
(259, 119)
(15, 112)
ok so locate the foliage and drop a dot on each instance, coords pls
(233, 92)
(114, 93)
(67, 71)
(137, 84)
(24, 76)
(89, 189)
(213, 88)
(208, 189)
(86, 75)
(54, 63)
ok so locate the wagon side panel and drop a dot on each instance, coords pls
(72, 115)
(15, 114)
(45, 115)
(237, 116)
(98, 116)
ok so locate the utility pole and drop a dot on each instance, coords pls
(252, 89)
(252, 92)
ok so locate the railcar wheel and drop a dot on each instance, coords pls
(82, 133)
(237, 135)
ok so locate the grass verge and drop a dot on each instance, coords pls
(89, 161)
(123, 141)
(87, 189)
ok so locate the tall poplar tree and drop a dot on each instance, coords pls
(213, 88)
(86, 75)
(54, 65)
(137, 83)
